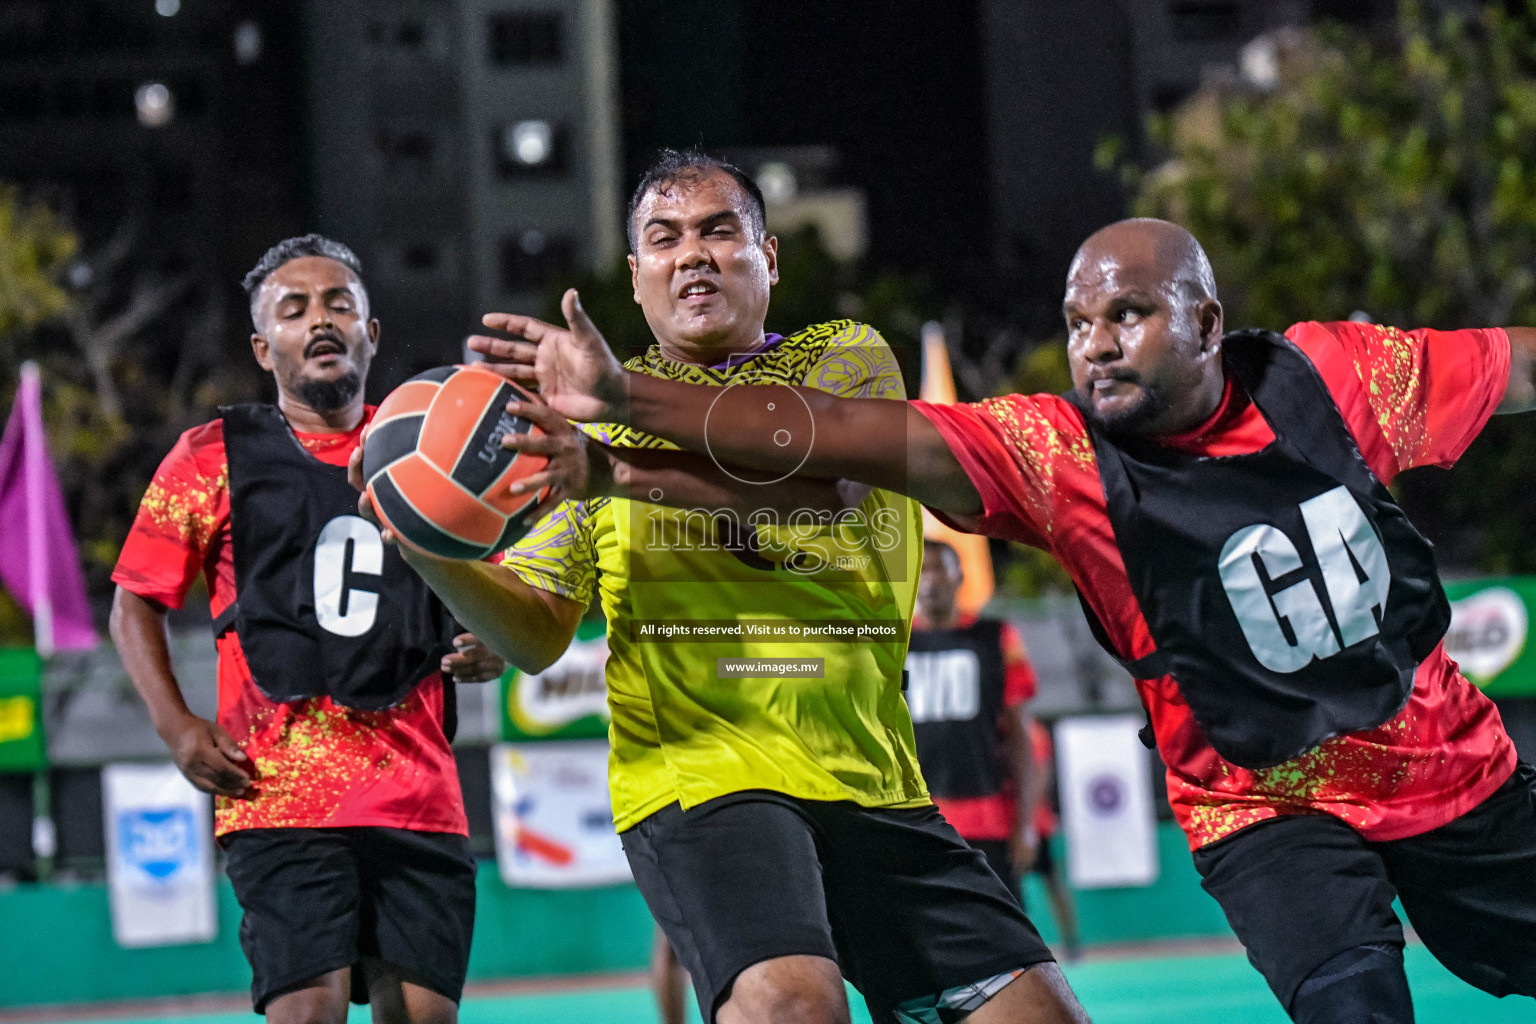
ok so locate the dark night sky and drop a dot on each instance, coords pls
(896, 87)
(900, 95)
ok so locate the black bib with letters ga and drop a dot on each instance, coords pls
(955, 692)
(322, 605)
(1285, 590)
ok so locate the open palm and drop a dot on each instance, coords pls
(573, 368)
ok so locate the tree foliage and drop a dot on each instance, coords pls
(34, 249)
(124, 347)
(1390, 174)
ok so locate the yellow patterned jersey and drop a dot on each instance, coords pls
(756, 651)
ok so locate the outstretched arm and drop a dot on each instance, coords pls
(689, 481)
(526, 626)
(775, 429)
(581, 469)
(879, 442)
(1520, 395)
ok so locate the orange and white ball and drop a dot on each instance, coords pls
(435, 468)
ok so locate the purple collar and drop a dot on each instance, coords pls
(736, 359)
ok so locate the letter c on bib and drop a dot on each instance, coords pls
(347, 544)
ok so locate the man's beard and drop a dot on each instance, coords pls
(326, 395)
(1132, 422)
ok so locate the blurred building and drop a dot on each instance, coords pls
(800, 191)
(165, 134)
(468, 150)
(894, 90)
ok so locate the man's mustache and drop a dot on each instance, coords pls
(328, 337)
(1121, 375)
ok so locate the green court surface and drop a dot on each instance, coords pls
(1206, 989)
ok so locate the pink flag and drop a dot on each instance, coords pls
(38, 563)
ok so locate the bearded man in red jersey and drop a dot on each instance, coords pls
(337, 800)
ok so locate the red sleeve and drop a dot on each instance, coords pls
(1019, 683)
(182, 512)
(1009, 448)
(1040, 741)
(1411, 398)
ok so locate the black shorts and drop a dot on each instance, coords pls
(1301, 889)
(895, 897)
(319, 899)
(999, 855)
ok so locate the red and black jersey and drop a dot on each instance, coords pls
(1285, 590)
(961, 684)
(325, 607)
(955, 694)
(316, 763)
(1407, 399)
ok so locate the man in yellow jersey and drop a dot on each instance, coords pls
(764, 774)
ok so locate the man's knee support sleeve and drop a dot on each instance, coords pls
(1363, 985)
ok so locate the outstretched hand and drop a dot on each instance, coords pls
(578, 469)
(572, 366)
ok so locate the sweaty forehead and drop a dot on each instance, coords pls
(1147, 254)
(1100, 274)
(693, 195)
(308, 273)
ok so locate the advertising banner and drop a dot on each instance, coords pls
(159, 856)
(1106, 802)
(21, 718)
(554, 821)
(1490, 627)
(568, 700)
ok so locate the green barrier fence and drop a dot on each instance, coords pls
(21, 721)
(57, 947)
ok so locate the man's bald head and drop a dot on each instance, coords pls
(1160, 245)
(1144, 328)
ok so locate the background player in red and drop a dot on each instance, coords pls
(969, 684)
(336, 796)
(985, 756)
(1219, 501)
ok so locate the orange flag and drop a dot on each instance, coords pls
(938, 386)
